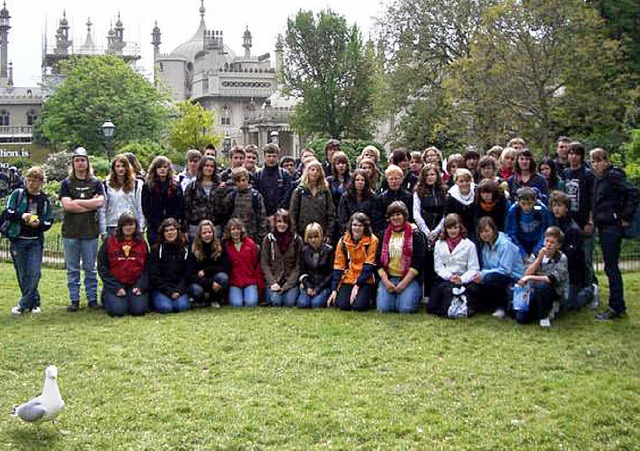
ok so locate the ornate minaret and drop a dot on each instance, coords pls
(62, 36)
(246, 43)
(155, 41)
(279, 54)
(4, 41)
(115, 38)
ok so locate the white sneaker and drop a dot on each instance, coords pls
(17, 310)
(596, 297)
(215, 305)
(36, 311)
(545, 322)
(499, 313)
(426, 299)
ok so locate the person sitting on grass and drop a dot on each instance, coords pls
(244, 267)
(548, 278)
(352, 282)
(168, 269)
(526, 223)
(580, 291)
(124, 270)
(316, 267)
(400, 263)
(456, 263)
(280, 257)
(501, 268)
(207, 267)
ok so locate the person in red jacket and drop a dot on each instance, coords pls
(242, 253)
(122, 265)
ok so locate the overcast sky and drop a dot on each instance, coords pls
(178, 21)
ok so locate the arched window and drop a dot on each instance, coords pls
(4, 117)
(226, 115)
(32, 116)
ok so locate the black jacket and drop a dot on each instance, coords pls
(316, 272)
(572, 248)
(168, 268)
(274, 183)
(349, 205)
(614, 198)
(578, 184)
(162, 202)
(209, 265)
(379, 220)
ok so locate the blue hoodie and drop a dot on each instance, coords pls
(502, 258)
(526, 230)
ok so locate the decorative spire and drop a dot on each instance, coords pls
(246, 43)
(118, 22)
(202, 9)
(89, 25)
(64, 20)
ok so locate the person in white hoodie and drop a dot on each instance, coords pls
(123, 193)
(456, 264)
(460, 199)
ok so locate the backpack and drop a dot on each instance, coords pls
(5, 222)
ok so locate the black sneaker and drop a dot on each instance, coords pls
(73, 307)
(93, 305)
(608, 315)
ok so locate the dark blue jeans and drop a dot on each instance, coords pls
(197, 291)
(27, 261)
(610, 241)
(493, 292)
(121, 305)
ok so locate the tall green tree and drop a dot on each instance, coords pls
(192, 126)
(538, 68)
(420, 40)
(95, 89)
(326, 66)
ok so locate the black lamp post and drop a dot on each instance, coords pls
(108, 129)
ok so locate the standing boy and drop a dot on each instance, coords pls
(613, 204)
(81, 195)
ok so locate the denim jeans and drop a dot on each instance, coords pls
(318, 300)
(27, 261)
(197, 291)
(243, 297)
(610, 241)
(406, 302)
(539, 305)
(164, 304)
(79, 251)
(282, 298)
(588, 245)
(493, 292)
(121, 305)
(363, 301)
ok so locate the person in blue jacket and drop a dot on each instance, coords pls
(501, 267)
(527, 221)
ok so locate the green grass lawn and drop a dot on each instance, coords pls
(286, 378)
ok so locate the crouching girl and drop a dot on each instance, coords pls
(122, 265)
(456, 263)
(168, 269)
(401, 260)
(353, 284)
(207, 267)
(317, 263)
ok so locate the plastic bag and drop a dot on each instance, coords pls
(521, 297)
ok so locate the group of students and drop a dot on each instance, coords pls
(458, 234)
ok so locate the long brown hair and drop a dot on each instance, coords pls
(152, 177)
(125, 219)
(197, 245)
(449, 220)
(129, 176)
(421, 186)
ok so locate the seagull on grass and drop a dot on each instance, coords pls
(45, 407)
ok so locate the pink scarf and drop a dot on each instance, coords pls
(407, 247)
(453, 242)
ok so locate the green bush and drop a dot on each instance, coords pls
(146, 151)
(352, 147)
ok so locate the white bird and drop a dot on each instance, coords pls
(45, 407)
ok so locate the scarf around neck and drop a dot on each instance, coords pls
(453, 242)
(283, 240)
(407, 247)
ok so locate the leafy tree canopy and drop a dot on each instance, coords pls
(95, 89)
(191, 127)
(327, 67)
